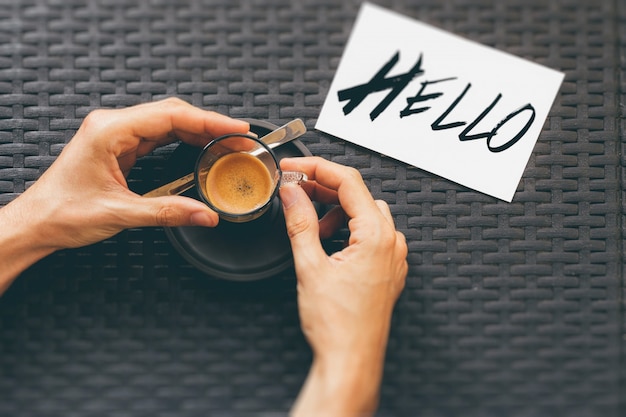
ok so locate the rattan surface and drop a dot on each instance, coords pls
(509, 309)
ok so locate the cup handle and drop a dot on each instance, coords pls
(293, 177)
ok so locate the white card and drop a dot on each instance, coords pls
(447, 105)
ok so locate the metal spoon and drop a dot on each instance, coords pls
(280, 136)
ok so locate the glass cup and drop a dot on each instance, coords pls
(238, 176)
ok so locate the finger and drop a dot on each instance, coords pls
(319, 193)
(386, 212)
(170, 211)
(164, 121)
(352, 192)
(302, 227)
(175, 115)
(332, 221)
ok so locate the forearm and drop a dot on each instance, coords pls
(20, 245)
(345, 386)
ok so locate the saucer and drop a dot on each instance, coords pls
(235, 251)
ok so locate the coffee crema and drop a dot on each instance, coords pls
(238, 183)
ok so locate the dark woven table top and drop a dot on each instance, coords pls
(509, 309)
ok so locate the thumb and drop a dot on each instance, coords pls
(170, 211)
(302, 226)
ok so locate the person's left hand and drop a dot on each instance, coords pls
(84, 198)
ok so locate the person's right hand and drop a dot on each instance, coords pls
(345, 300)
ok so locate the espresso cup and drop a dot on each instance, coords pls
(238, 176)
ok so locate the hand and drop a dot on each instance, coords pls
(84, 198)
(345, 300)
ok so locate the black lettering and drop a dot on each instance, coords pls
(463, 136)
(519, 135)
(437, 123)
(357, 94)
(408, 110)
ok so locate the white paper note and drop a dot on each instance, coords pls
(447, 105)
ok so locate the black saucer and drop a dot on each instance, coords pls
(235, 251)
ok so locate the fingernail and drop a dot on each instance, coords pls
(202, 218)
(282, 161)
(289, 195)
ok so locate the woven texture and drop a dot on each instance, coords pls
(509, 309)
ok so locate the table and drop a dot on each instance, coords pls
(510, 309)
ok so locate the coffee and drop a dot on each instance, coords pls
(238, 183)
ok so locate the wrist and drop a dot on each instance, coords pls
(21, 241)
(342, 384)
